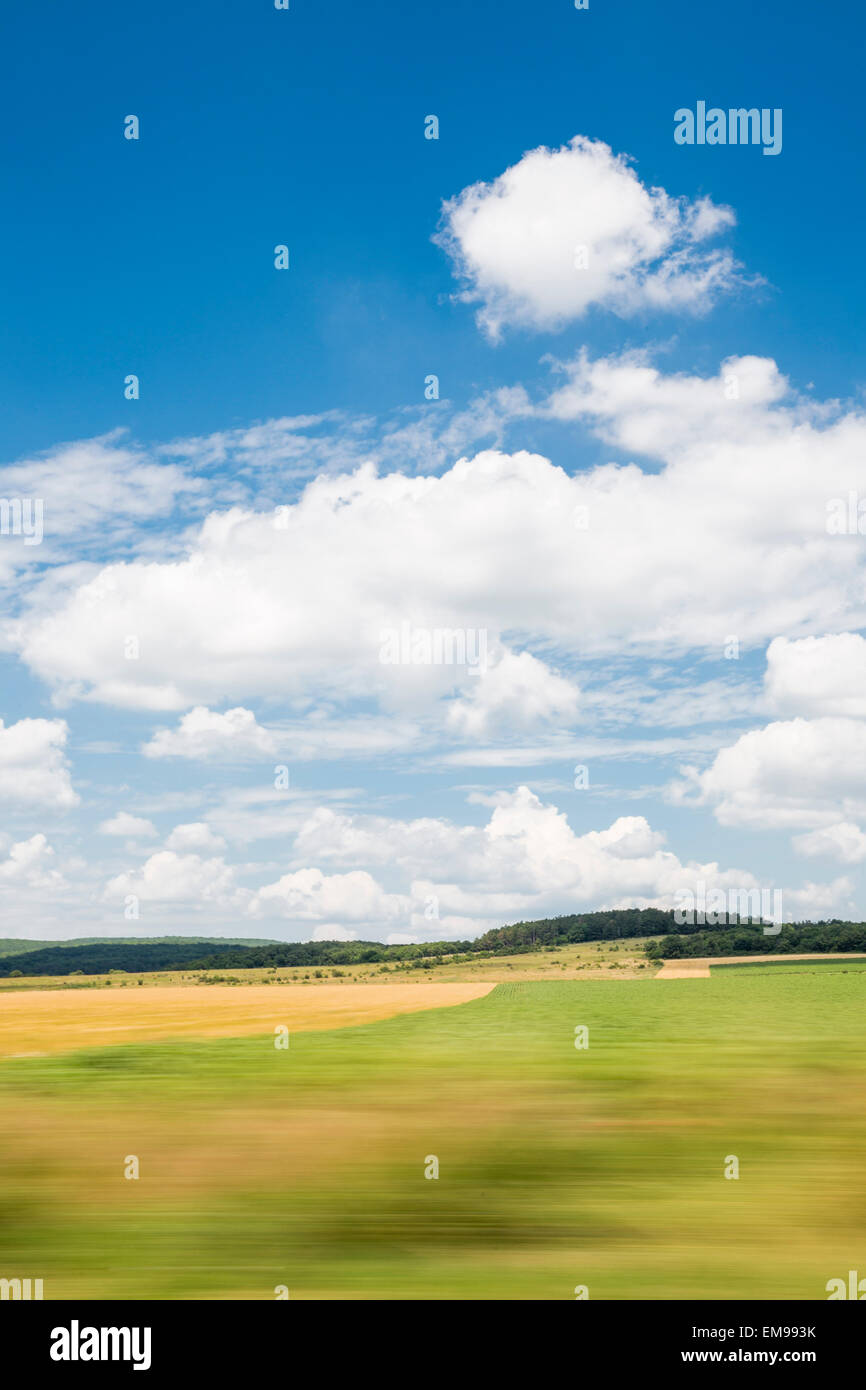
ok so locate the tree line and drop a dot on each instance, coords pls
(100, 958)
(743, 940)
(733, 936)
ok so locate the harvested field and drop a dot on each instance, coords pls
(38, 1022)
(684, 970)
(698, 968)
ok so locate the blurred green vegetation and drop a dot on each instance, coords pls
(557, 1166)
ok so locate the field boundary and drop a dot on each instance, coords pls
(698, 967)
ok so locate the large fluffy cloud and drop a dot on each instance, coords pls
(308, 895)
(33, 767)
(28, 864)
(796, 774)
(377, 877)
(806, 773)
(565, 229)
(169, 877)
(525, 861)
(517, 692)
(818, 675)
(727, 537)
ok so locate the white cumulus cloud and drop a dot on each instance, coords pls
(792, 774)
(28, 864)
(204, 734)
(196, 836)
(817, 675)
(132, 827)
(565, 229)
(33, 766)
(308, 895)
(843, 841)
(170, 877)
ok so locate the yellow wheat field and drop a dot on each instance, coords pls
(42, 1021)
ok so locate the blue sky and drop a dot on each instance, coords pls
(305, 127)
(156, 257)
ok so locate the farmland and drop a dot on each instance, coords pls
(558, 1166)
(63, 1021)
(590, 959)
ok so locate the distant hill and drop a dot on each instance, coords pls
(15, 945)
(100, 957)
(513, 940)
(521, 937)
(100, 954)
(12, 945)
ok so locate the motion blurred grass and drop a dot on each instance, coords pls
(558, 1167)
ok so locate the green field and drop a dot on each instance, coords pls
(831, 963)
(558, 1167)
